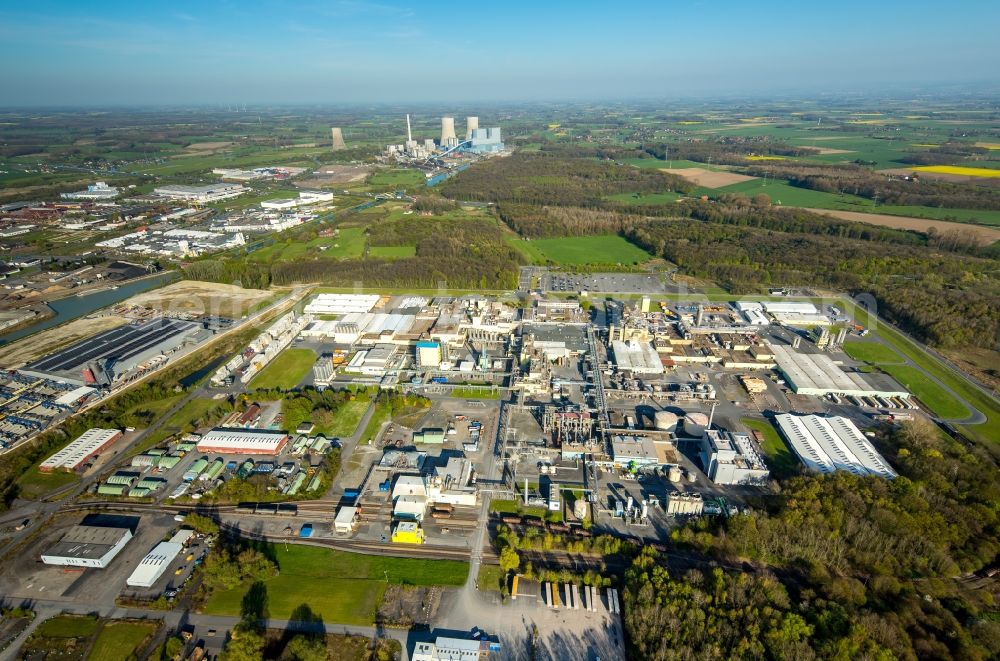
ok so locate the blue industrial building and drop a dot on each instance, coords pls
(485, 141)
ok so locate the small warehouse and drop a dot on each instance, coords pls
(347, 519)
(153, 565)
(410, 508)
(87, 546)
(407, 532)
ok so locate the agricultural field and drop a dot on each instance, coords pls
(344, 587)
(286, 371)
(582, 250)
(960, 171)
(392, 252)
(714, 179)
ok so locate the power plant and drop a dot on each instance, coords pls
(471, 124)
(337, 137)
(448, 138)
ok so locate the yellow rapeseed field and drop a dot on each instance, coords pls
(766, 158)
(959, 170)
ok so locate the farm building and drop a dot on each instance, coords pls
(87, 546)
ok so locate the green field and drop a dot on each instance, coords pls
(781, 459)
(645, 198)
(191, 412)
(397, 179)
(875, 353)
(34, 484)
(579, 250)
(349, 243)
(118, 640)
(342, 587)
(392, 252)
(286, 371)
(930, 393)
(348, 417)
(67, 626)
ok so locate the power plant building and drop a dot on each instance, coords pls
(87, 546)
(830, 444)
(485, 141)
(471, 124)
(91, 443)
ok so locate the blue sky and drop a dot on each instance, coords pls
(100, 52)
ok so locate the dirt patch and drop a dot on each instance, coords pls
(35, 346)
(708, 178)
(985, 235)
(405, 606)
(207, 146)
(193, 296)
(824, 151)
(329, 175)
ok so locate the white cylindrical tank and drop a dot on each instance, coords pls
(695, 424)
(692, 476)
(674, 474)
(580, 508)
(665, 421)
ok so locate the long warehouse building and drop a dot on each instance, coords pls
(222, 440)
(89, 444)
(87, 546)
(817, 374)
(830, 444)
(152, 566)
(99, 359)
(341, 303)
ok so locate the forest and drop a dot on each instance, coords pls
(841, 566)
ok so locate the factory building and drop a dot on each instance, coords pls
(454, 649)
(830, 444)
(428, 354)
(90, 444)
(87, 546)
(341, 303)
(98, 191)
(201, 194)
(407, 532)
(105, 357)
(637, 357)
(486, 141)
(372, 362)
(152, 566)
(729, 458)
(817, 374)
(636, 450)
(243, 441)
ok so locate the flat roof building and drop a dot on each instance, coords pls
(817, 374)
(222, 440)
(89, 444)
(209, 193)
(87, 546)
(830, 444)
(730, 458)
(98, 191)
(152, 566)
(636, 356)
(454, 649)
(341, 303)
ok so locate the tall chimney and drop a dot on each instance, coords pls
(338, 139)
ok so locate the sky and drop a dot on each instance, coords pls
(104, 52)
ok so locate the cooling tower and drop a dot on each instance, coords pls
(471, 124)
(665, 421)
(338, 139)
(447, 129)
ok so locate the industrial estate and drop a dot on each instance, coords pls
(541, 396)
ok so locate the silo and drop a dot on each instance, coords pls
(695, 424)
(580, 508)
(471, 124)
(674, 474)
(338, 139)
(665, 421)
(692, 477)
(447, 129)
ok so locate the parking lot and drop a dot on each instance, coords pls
(623, 283)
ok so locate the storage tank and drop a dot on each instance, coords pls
(580, 508)
(665, 421)
(695, 424)
(674, 474)
(692, 476)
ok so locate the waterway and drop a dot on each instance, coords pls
(74, 307)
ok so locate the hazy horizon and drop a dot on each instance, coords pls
(113, 53)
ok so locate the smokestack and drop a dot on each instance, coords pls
(409, 136)
(447, 129)
(711, 416)
(338, 139)
(471, 124)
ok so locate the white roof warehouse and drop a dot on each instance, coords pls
(77, 453)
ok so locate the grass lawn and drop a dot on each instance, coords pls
(645, 198)
(396, 179)
(392, 252)
(349, 243)
(67, 626)
(34, 484)
(930, 393)
(286, 371)
(875, 353)
(781, 459)
(515, 507)
(342, 587)
(347, 418)
(610, 249)
(194, 410)
(490, 578)
(118, 640)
